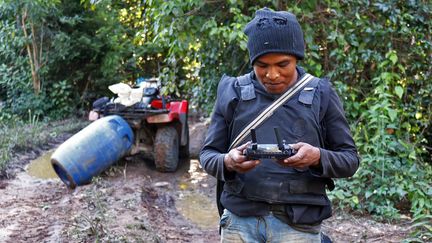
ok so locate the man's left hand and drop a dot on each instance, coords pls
(307, 155)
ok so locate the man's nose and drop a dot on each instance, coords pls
(272, 74)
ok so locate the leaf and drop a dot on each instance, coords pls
(412, 155)
(399, 91)
(393, 58)
(392, 114)
(355, 200)
(339, 195)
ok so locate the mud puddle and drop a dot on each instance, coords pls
(193, 201)
(199, 209)
(129, 202)
(42, 168)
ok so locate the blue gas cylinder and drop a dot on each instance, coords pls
(92, 150)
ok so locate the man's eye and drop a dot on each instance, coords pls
(283, 64)
(261, 65)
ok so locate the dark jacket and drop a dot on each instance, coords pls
(300, 192)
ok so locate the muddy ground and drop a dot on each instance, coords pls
(132, 202)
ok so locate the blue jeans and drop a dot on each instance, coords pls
(261, 229)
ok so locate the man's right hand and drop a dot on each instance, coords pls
(235, 160)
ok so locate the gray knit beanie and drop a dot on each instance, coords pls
(274, 31)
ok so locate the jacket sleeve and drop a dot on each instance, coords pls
(339, 158)
(218, 135)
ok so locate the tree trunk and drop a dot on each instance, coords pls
(281, 5)
(32, 51)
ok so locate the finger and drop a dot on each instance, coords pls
(297, 164)
(283, 163)
(247, 164)
(237, 155)
(297, 146)
(295, 158)
(242, 147)
(241, 158)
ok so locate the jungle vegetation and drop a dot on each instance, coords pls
(58, 56)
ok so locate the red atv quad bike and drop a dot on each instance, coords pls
(159, 123)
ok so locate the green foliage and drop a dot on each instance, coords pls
(17, 135)
(60, 99)
(378, 53)
(80, 51)
(199, 41)
(390, 171)
(387, 105)
(422, 225)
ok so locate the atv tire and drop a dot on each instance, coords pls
(166, 149)
(184, 150)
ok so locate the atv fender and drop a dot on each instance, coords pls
(178, 111)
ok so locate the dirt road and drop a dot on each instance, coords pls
(132, 202)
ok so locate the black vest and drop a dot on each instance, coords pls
(269, 183)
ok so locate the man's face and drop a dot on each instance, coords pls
(276, 71)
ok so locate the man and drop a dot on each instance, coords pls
(285, 200)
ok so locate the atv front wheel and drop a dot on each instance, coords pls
(184, 150)
(166, 149)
